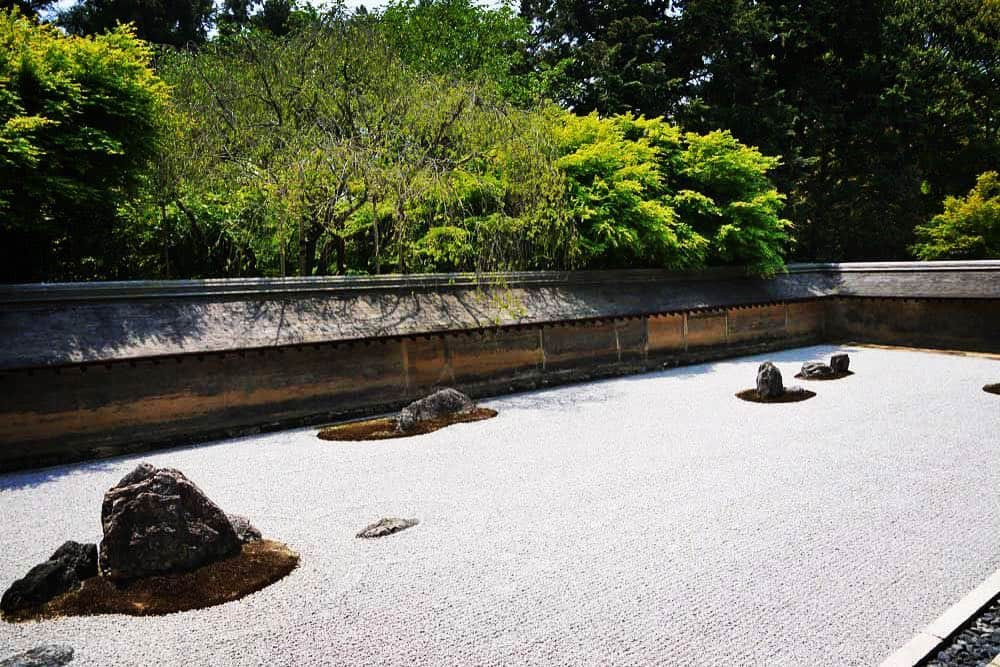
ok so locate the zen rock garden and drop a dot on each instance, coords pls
(770, 387)
(166, 547)
(441, 408)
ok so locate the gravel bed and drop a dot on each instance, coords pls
(652, 519)
(975, 646)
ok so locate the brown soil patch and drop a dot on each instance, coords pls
(384, 428)
(792, 396)
(835, 376)
(992, 388)
(258, 564)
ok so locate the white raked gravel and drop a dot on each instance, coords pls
(648, 519)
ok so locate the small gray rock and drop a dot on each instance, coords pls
(816, 369)
(245, 531)
(769, 384)
(46, 655)
(64, 571)
(384, 527)
(840, 363)
(441, 403)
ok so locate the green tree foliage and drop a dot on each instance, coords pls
(643, 193)
(461, 38)
(878, 108)
(610, 57)
(278, 17)
(79, 123)
(349, 154)
(969, 227)
(175, 22)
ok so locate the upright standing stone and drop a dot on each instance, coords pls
(156, 520)
(769, 384)
(840, 363)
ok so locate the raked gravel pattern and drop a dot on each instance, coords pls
(652, 519)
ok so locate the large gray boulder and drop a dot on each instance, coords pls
(840, 363)
(442, 403)
(769, 384)
(46, 655)
(815, 369)
(155, 521)
(62, 572)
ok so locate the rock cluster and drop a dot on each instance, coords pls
(64, 571)
(442, 403)
(384, 527)
(46, 655)
(156, 521)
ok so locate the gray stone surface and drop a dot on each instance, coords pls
(974, 646)
(441, 403)
(645, 520)
(769, 384)
(63, 571)
(156, 520)
(840, 363)
(815, 369)
(384, 527)
(245, 531)
(46, 655)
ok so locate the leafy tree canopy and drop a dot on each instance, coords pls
(79, 122)
(969, 227)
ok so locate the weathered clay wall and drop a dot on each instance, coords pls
(958, 324)
(99, 409)
(95, 370)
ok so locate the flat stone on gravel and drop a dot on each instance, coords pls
(816, 369)
(384, 527)
(46, 655)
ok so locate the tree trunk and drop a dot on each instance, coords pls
(341, 255)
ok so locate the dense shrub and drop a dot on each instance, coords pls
(645, 194)
(969, 227)
(79, 123)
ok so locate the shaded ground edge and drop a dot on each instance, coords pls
(384, 428)
(790, 396)
(924, 645)
(258, 565)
